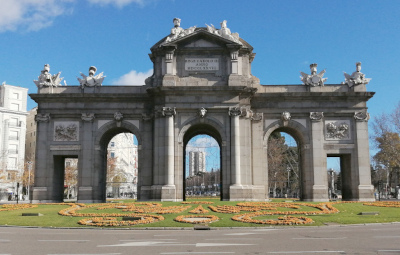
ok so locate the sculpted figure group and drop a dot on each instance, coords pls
(45, 79)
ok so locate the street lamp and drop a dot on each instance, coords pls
(288, 180)
(29, 177)
(331, 173)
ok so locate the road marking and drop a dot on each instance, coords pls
(232, 239)
(210, 252)
(386, 236)
(84, 254)
(300, 252)
(240, 234)
(131, 244)
(220, 244)
(135, 240)
(63, 240)
(318, 238)
(4, 241)
(388, 250)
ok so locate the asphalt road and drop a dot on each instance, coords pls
(355, 239)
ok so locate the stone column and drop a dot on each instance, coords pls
(365, 189)
(89, 178)
(169, 113)
(320, 176)
(43, 184)
(235, 112)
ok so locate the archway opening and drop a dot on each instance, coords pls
(203, 167)
(284, 173)
(339, 176)
(122, 167)
(70, 179)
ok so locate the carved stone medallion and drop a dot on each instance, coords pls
(316, 116)
(168, 111)
(361, 116)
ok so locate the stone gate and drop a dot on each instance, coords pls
(202, 84)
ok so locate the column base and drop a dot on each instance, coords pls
(246, 193)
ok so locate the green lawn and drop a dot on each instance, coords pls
(349, 214)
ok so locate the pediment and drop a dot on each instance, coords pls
(202, 43)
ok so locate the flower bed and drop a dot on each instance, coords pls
(196, 219)
(199, 210)
(113, 222)
(12, 207)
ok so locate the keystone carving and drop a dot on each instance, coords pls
(202, 112)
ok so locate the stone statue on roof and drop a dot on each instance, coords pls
(178, 32)
(92, 80)
(356, 78)
(224, 32)
(314, 79)
(45, 79)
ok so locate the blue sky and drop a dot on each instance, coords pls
(287, 35)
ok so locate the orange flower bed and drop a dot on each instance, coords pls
(204, 219)
(384, 204)
(12, 207)
(224, 208)
(198, 210)
(198, 202)
(284, 220)
(113, 222)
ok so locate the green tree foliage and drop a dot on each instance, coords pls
(386, 138)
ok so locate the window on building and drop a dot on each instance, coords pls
(15, 95)
(112, 154)
(13, 122)
(112, 144)
(14, 107)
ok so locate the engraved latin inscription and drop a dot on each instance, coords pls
(201, 64)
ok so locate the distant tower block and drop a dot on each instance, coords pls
(197, 162)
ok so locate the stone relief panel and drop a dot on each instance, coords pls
(337, 130)
(66, 131)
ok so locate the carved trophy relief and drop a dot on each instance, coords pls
(337, 130)
(356, 78)
(314, 79)
(66, 131)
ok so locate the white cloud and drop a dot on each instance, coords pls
(133, 78)
(30, 15)
(201, 143)
(117, 3)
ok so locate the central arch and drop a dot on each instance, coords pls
(213, 129)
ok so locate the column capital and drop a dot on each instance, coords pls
(87, 117)
(234, 111)
(168, 111)
(361, 116)
(42, 117)
(316, 116)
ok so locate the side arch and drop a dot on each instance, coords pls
(102, 137)
(301, 135)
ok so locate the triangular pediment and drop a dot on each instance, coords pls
(201, 43)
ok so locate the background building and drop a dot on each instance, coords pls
(197, 162)
(30, 140)
(122, 173)
(13, 114)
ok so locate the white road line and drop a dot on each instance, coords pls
(232, 239)
(132, 244)
(220, 244)
(386, 236)
(319, 238)
(210, 252)
(388, 250)
(4, 241)
(63, 240)
(241, 234)
(84, 254)
(135, 240)
(306, 252)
